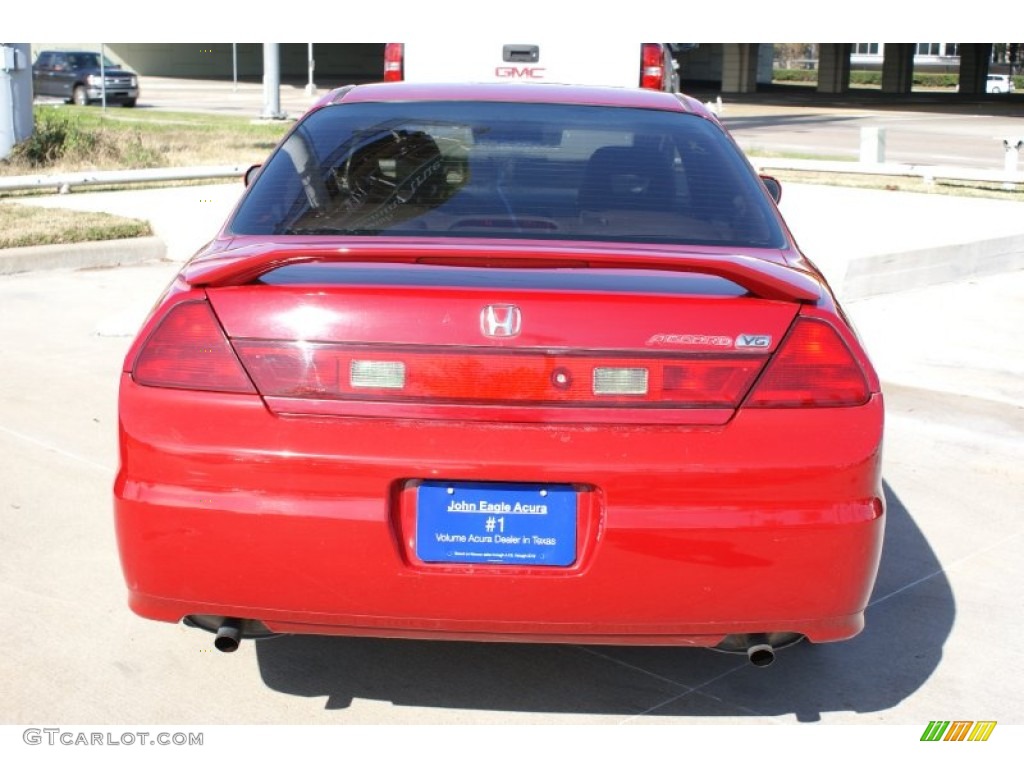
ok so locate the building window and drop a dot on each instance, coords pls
(868, 49)
(929, 49)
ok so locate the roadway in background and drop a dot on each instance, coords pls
(921, 128)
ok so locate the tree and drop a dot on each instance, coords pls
(794, 55)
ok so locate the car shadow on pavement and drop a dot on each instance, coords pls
(910, 616)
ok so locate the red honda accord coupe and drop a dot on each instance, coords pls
(504, 363)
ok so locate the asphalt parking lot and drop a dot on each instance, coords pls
(941, 626)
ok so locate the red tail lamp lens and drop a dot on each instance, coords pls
(394, 55)
(813, 367)
(652, 66)
(188, 350)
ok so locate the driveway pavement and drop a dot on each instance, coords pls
(940, 626)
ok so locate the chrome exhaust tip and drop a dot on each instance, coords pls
(761, 655)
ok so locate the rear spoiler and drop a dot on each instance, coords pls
(764, 279)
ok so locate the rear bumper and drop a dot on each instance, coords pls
(772, 523)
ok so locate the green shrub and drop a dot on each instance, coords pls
(62, 135)
(795, 75)
(864, 77)
(52, 138)
(872, 78)
(936, 79)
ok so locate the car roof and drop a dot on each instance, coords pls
(538, 93)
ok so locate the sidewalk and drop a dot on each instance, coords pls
(184, 218)
(867, 242)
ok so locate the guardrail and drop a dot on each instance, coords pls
(65, 182)
(929, 173)
(872, 162)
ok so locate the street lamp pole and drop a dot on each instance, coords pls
(271, 82)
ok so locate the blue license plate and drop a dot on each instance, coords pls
(506, 523)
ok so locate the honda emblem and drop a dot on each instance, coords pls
(500, 320)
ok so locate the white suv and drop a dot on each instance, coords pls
(999, 84)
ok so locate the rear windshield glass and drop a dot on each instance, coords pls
(508, 170)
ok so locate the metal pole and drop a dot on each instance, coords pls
(103, 78)
(234, 67)
(16, 119)
(872, 144)
(271, 82)
(1011, 155)
(310, 87)
(8, 132)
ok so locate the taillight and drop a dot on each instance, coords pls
(394, 56)
(343, 372)
(652, 66)
(813, 367)
(189, 350)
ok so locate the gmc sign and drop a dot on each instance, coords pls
(525, 73)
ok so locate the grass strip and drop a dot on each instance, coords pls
(25, 225)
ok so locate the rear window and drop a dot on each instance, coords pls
(508, 170)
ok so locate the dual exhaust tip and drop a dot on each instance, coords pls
(229, 636)
(228, 631)
(759, 647)
(761, 654)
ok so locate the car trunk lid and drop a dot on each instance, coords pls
(539, 340)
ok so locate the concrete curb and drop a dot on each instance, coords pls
(891, 272)
(103, 253)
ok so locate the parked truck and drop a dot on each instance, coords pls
(645, 65)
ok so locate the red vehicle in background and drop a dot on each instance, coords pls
(503, 363)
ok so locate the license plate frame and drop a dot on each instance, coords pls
(517, 524)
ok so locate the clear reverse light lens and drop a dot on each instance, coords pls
(377, 374)
(620, 381)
